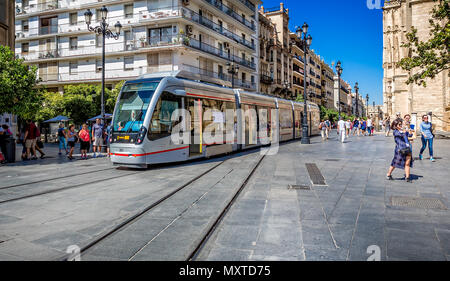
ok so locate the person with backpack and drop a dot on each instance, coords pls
(62, 138)
(426, 129)
(85, 141)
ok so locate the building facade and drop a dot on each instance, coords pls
(375, 112)
(202, 39)
(343, 96)
(327, 85)
(399, 17)
(280, 57)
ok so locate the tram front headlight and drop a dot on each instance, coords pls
(141, 136)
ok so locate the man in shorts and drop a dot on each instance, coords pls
(30, 139)
(97, 137)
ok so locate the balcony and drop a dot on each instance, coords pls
(197, 73)
(193, 43)
(266, 79)
(44, 30)
(248, 4)
(40, 7)
(193, 16)
(225, 9)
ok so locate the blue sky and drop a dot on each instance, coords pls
(345, 30)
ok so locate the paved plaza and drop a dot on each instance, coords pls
(48, 205)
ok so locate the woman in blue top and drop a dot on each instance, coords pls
(427, 137)
(400, 161)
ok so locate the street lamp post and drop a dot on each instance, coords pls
(233, 69)
(367, 105)
(356, 94)
(339, 71)
(306, 40)
(103, 30)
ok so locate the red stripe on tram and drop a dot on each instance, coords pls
(150, 153)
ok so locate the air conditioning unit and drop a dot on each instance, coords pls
(185, 2)
(226, 45)
(189, 30)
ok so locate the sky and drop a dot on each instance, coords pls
(345, 30)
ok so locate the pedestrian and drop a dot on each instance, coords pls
(387, 126)
(39, 145)
(85, 141)
(323, 129)
(71, 140)
(108, 138)
(402, 155)
(369, 126)
(3, 136)
(30, 140)
(356, 126)
(97, 136)
(426, 129)
(348, 128)
(62, 138)
(363, 127)
(341, 129)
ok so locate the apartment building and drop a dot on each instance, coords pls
(342, 96)
(279, 52)
(201, 39)
(314, 78)
(298, 65)
(268, 42)
(327, 85)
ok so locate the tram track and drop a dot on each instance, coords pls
(196, 252)
(141, 213)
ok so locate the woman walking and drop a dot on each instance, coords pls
(403, 156)
(85, 141)
(426, 128)
(71, 140)
(387, 126)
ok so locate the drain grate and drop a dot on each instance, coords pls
(315, 175)
(299, 187)
(332, 160)
(424, 203)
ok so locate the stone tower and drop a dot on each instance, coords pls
(399, 16)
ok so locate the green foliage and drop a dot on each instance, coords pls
(299, 98)
(18, 94)
(429, 58)
(52, 106)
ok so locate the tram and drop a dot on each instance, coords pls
(150, 109)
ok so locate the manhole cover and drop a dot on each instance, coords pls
(424, 203)
(299, 187)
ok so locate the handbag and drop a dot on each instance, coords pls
(405, 151)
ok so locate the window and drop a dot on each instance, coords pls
(73, 43)
(161, 124)
(98, 16)
(128, 35)
(98, 40)
(128, 9)
(73, 18)
(158, 35)
(128, 63)
(73, 67)
(25, 27)
(252, 78)
(244, 78)
(25, 47)
(98, 65)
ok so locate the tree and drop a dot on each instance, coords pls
(52, 105)
(18, 94)
(429, 58)
(79, 102)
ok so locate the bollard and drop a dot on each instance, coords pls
(10, 144)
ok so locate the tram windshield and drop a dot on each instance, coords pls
(133, 105)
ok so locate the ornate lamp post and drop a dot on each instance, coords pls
(103, 30)
(302, 35)
(233, 69)
(357, 97)
(339, 71)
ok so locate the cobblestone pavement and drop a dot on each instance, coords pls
(268, 221)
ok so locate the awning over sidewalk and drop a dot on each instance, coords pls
(57, 119)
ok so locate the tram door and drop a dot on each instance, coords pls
(196, 111)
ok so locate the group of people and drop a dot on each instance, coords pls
(97, 135)
(30, 138)
(405, 134)
(345, 129)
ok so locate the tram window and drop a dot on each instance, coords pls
(161, 124)
(132, 106)
(286, 119)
